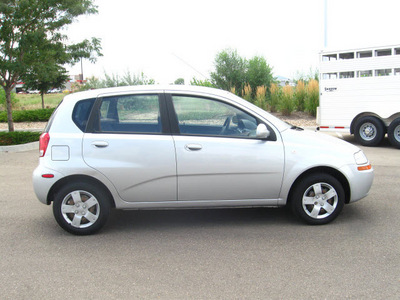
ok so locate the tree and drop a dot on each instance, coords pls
(259, 73)
(205, 82)
(30, 35)
(230, 71)
(131, 79)
(179, 81)
(45, 77)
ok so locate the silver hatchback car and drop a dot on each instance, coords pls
(154, 147)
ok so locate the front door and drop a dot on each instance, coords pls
(218, 155)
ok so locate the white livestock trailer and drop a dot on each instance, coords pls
(360, 93)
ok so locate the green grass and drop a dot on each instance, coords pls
(34, 101)
(18, 137)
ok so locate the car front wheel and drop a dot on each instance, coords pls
(318, 199)
(81, 208)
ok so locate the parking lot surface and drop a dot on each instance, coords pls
(261, 253)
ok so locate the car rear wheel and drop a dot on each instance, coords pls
(394, 133)
(81, 208)
(369, 131)
(318, 199)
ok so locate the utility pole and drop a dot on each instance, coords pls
(326, 24)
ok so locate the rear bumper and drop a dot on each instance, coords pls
(42, 185)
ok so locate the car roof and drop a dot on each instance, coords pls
(148, 88)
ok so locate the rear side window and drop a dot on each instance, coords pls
(130, 113)
(81, 113)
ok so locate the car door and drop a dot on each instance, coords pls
(128, 145)
(218, 155)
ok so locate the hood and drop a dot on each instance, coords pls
(317, 148)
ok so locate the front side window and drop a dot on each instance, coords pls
(201, 116)
(130, 113)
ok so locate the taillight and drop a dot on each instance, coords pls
(43, 143)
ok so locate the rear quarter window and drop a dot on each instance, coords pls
(81, 112)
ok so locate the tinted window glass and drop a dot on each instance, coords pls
(132, 113)
(200, 116)
(81, 113)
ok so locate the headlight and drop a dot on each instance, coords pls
(360, 158)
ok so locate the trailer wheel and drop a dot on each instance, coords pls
(369, 131)
(394, 133)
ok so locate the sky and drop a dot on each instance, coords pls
(172, 39)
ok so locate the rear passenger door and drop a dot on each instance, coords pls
(128, 142)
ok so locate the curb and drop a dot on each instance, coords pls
(20, 148)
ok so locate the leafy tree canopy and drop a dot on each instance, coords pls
(234, 72)
(259, 73)
(230, 70)
(30, 35)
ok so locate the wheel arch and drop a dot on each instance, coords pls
(327, 170)
(78, 178)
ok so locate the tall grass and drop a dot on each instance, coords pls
(261, 97)
(275, 97)
(312, 99)
(247, 93)
(300, 95)
(287, 105)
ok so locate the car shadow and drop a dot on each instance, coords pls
(198, 218)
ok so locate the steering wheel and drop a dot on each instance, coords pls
(225, 127)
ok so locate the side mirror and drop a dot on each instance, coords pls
(262, 132)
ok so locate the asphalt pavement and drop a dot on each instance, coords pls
(262, 253)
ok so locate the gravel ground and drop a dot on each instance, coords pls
(25, 126)
(297, 118)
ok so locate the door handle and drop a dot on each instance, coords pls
(193, 147)
(100, 144)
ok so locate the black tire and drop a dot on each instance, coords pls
(394, 133)
(317, 199)
(369, 131)
(81, 208)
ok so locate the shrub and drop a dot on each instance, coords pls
(261, 97)
(287, 105)
(275, 95)
(18, 137)
(36, 115)
(300, 95)
(312, 99)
